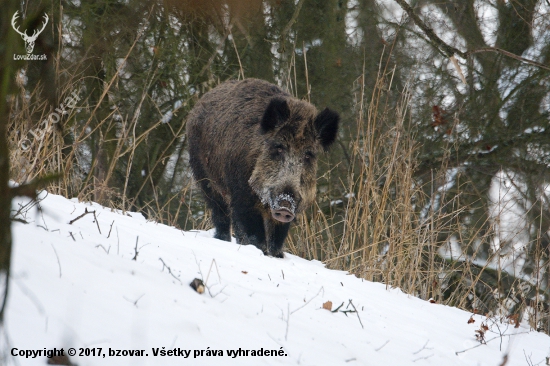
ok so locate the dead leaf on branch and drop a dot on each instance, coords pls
(480, 333)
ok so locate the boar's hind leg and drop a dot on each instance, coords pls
(276, 234)
(220, 211)
(248, 226)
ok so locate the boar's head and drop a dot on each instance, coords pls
(293, 134)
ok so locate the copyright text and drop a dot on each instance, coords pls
(155, 352)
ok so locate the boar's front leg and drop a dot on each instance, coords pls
(248, 226)
(276, 233)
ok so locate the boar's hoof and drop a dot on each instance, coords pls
(282, 215)
(222, 236)
(278, 254)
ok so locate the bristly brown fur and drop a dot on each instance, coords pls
(249, 143)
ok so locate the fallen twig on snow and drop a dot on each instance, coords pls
(133, 302)
(356, 312)
(169, 269)
(382, 346)
(492, 339)
(321, 289)
(86, 212)
(81, 216)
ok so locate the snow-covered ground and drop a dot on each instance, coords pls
(73, 286)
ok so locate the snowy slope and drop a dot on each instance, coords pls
(87, 292)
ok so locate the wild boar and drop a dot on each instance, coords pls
(253, 150)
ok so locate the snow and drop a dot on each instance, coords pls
(88, 292)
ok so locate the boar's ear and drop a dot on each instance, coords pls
(276, 112)
(326, 126)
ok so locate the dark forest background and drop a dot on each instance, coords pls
(438, 183)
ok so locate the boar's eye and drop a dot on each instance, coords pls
(277, 151)
(309, 156)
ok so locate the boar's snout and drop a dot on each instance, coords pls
(282, 215)
(283, 208)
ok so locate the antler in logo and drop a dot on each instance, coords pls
(29, 40)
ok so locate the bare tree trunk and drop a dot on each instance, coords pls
(7, 69)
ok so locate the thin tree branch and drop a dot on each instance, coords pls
(449, 50)
(438, 42)
(289, 25)
(293, 19)
(509, 54)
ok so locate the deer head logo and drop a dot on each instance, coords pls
(29, 40)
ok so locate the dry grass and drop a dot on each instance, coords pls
(392, 227)
(42, 149)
